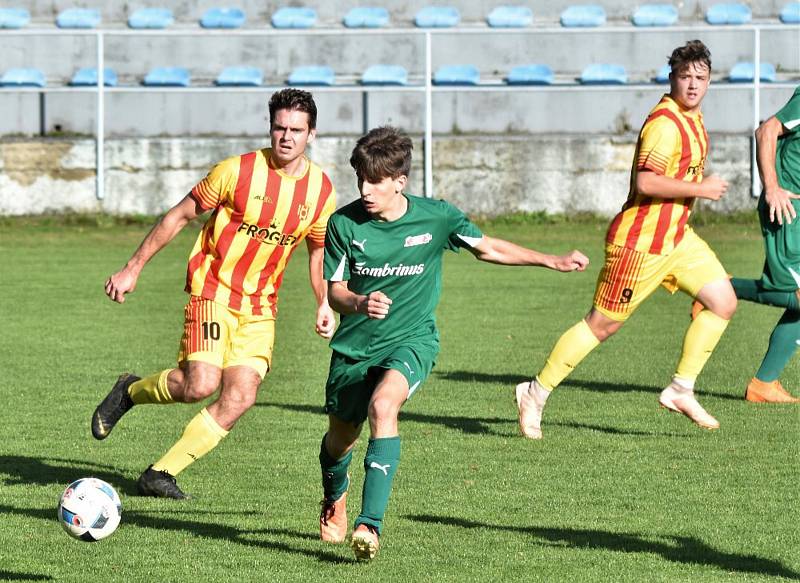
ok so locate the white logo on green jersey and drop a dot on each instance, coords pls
(388, 270)
(359, 244)
(418, 240)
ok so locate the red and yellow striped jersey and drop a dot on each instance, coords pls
(673, 143)
(259, 217)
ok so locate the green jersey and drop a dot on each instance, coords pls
(402, 259)
(782, 242)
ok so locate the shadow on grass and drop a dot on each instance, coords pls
(46, 471)
(687, 550)
(10, 576)
(157, 521)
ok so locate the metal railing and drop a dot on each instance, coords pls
(427, 87)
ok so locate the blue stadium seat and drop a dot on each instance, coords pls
(733, 13)
(604, 74)
(437, 17)
(23, 78)
(663, 74)
(14, 17)
(586, 15)
(457, 75)
(78, 18)
(88, 76)
(294, 17)
(366, 17)
(385, 75)
(222, 18)
(790, 14)
(168, 77)
(240, 77)
(530, 75)
(151, 18)
(312, 75)
(655, 15)
(510, 17)
(743, 72)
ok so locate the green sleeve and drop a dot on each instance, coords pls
(789, 115)
(336, 263)
(462, 231)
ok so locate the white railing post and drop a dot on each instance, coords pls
(755, 181)
(428, 119)
(100, 114)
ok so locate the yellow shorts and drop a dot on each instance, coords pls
(214, 334)
(629, 277)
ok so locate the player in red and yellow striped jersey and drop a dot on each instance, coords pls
(649, 244)
(263, 205)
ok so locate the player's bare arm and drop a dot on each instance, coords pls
(375, 305)
(325, 320)
(778, 199)
(659, 186)
(502, 252)
(124, 281)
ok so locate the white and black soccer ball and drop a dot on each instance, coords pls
(89, 509)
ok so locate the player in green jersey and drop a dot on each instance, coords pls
(383, 263)
(778, 155)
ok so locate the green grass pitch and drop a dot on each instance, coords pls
(618, 490)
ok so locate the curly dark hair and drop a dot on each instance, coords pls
(383, 152)
(293, 99)
(693, 51)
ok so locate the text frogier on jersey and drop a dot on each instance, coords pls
(388, 270)
(269, 234)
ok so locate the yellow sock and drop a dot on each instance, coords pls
(201, 435)
(701, 338)
(569, 351)
(152, 389)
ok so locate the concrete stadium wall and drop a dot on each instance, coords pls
(482, 175)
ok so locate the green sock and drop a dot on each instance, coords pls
(782, 345)
(334, 472)
(750, 290)
(380, 465)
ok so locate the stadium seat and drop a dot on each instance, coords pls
(78, 18)
(728, 14)
(151, 18)
(530, 75)
(790, 14)
(312, 75)
(14, 17)
(743, 72)
(240, 77)
(294, 17)
(367, 17)
(604, 74)
(437, 17)
(586, 15)
(168, 77)
(385, 75)
(457, 75)
(21, 77)
(222, 18)
(663, 74)
(510, 17)
(655, 15)
(88, 76)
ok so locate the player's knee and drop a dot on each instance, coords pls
(726, 308)
(198, 390)
(238, 399)
(383, 409)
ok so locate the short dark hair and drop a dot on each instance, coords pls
(293, 99)
(383, 152)
(693, 51)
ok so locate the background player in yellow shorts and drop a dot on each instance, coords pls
(264, 204)
(649, 244)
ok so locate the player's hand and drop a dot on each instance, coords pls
(779, 201)
(326, 321)
(375, 305)
(572, 261)
(119, 284)
(713, 187)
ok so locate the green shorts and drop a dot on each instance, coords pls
(782, 249)
(351, 382)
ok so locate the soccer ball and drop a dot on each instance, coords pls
(89, 509)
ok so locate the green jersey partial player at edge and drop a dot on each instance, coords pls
(383, 263)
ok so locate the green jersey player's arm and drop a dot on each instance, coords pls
(502, 252)
(778, 199)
